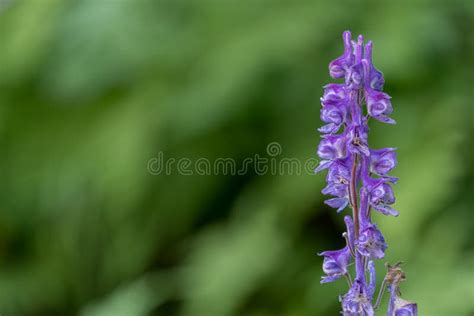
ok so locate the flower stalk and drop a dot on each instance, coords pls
(358, 176)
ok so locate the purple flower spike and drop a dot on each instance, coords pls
(371, 243)
(358, 176)
(339, 66)
(335, 264)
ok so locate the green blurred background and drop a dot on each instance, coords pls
(90, 91)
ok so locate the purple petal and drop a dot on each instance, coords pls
(385, 209)
(330, 278)
(329, 128)
(335, 263)
(371, 243)
(382, 161)
(339, 66)
(374, 77)
(385, 119)
(335, 189)
(390, 179)
(350, 229)
(372, 279)
(324, 164)
(356, 302)
(332, 147)
(405, 308)
(339, 203)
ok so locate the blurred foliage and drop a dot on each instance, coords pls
(91, 90)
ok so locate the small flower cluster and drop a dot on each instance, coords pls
(358, 177)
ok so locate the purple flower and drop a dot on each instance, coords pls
(340, 193)
(333, 115)
(374, 78)
(379, 105)
(355, 76)
(382, 161)
(356, 302)
(398, 306)
(334, 94)
(339, 66)
(339, 171)
(357, 140)
(338, 184)
(405, 308)
(381, 197)
(334, 110)
(335, 264)
(371, 242)
(332, 147)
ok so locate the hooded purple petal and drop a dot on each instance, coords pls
(339, 67)
(339, 203)
(374, 78)
(398, 306)
(350, 230)
(356, 301)
(334, 94)
(372, 279)
(382, 161)
(332, 147)
(405, 308)
(371, 243)
(379, 105)
(357, 140)
(335, 263)
(323, 164)
(381, 196)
